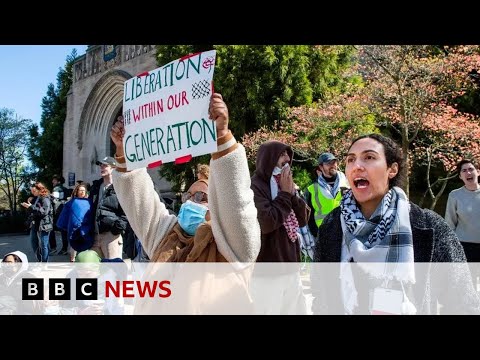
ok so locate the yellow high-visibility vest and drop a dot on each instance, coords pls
(322, 205)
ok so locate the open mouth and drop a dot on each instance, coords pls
(470, 178)
(360, 183)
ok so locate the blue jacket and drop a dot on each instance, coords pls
(77, 219)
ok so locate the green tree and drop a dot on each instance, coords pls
(183, 175)
(415, 89)
(261, 82)
(311, 130)
(46, 149)
(13, 148)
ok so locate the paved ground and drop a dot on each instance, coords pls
(21, 242)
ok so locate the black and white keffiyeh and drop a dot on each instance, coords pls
(382, 245)
(330, 192)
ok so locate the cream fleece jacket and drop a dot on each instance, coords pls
(230, 200)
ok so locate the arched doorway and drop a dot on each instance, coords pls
(102, 108)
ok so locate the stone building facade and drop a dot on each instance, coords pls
(95, 101)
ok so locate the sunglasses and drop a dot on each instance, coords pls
(197, 197)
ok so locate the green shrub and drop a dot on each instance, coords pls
(301, 177)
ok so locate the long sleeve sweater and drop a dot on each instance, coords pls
(232, 210)
(463, 207)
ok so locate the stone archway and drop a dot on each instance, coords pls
(102, 107)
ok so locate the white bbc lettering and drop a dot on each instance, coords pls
(82, 289)
(59, 289)
(32, 289)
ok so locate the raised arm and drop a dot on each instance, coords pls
(232, 210)
(147, 215)
(272, 213)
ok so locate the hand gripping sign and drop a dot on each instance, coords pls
(166, 112)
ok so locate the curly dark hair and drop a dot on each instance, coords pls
(393, 154)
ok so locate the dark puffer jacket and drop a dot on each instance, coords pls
(108, 213)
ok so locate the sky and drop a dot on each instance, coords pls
(26, 71)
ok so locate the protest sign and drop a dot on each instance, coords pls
(166, 112)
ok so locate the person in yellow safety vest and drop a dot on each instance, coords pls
(325, 194)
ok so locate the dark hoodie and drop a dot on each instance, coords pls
(276, 246)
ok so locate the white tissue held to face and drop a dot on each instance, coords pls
(277, 170)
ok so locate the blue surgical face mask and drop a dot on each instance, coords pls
(191, 215)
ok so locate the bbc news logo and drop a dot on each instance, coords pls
(87, 289)
(59, 289)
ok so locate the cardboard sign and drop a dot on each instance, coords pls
(166, 112)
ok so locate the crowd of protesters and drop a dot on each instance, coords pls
(359, 216)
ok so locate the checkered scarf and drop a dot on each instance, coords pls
(330, 192)
(385, 238)
(291, 222)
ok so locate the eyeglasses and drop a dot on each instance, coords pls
(472, 169)
(197, 197)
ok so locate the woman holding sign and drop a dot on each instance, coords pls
(378, 235)
(216, 223)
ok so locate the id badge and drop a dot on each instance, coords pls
(386, 302)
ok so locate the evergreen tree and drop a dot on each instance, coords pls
(261, 82)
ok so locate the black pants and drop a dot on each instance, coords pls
(53, 240)
(472, 252)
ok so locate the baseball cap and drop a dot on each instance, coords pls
(326, 157)
(107, 160)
